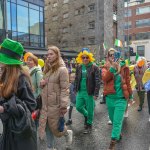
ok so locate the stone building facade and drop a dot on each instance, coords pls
(74, 24)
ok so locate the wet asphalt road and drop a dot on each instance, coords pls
(136, 131)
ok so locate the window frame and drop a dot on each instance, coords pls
(20, 35)
(138, 50)
(55, 4)
(127, 25)
(55, 18)
(142, 22)
(92, 23)
(90, 6)
(142, 36)
(66, 15)
(90, 39)
(65, 1)
(127, 13)
(137, 12)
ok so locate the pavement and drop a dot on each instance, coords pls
(136, 131)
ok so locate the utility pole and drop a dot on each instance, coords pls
(5, 18)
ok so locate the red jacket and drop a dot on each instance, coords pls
(108, 79)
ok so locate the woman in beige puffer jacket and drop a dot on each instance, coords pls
(55, 98)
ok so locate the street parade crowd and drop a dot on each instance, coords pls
(35, 93)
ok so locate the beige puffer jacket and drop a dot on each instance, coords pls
(55, 96)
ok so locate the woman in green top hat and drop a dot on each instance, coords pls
(15, 81)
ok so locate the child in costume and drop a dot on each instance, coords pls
(72, 98)
(87, 85)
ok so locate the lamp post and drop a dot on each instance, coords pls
(128, 23)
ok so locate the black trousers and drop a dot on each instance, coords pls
(148, 100)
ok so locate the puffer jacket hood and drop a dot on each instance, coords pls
(62, 63)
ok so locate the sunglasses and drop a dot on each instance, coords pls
(85, 57)
(111, 55)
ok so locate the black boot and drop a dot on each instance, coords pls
(140, 108)
(87, 129)
(85, 121)
(69, 122)
(112, 145)
(120, 138)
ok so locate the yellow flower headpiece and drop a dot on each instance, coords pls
(79, 57)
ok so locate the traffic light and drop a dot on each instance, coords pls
(131, 51)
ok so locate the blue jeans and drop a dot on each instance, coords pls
(50, 137)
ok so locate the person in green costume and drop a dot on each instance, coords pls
(87, 86)
(118, 91)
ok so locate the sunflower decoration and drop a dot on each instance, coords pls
(85, 51)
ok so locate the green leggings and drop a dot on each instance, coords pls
(85, 105)
(116, 110)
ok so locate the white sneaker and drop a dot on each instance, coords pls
(126, 114)
(109, 122)
(69, 137)
(51, 149)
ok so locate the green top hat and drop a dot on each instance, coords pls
(11, 52)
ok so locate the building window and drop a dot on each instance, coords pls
(128, 38)
(141, 50)
(143, 10)
(66, 1)
(143, 23)
(55, 5)
(127, 25)
(22, 26)
(66, 15)
(127, 13)
(91, 7)
(79, 11)
(65, 30)
(54, 18)
(92, 25)
(142, 36)
(91, 41)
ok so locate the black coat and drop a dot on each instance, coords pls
(92, 82)
(10, 140)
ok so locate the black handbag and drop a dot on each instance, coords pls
(20, 121)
